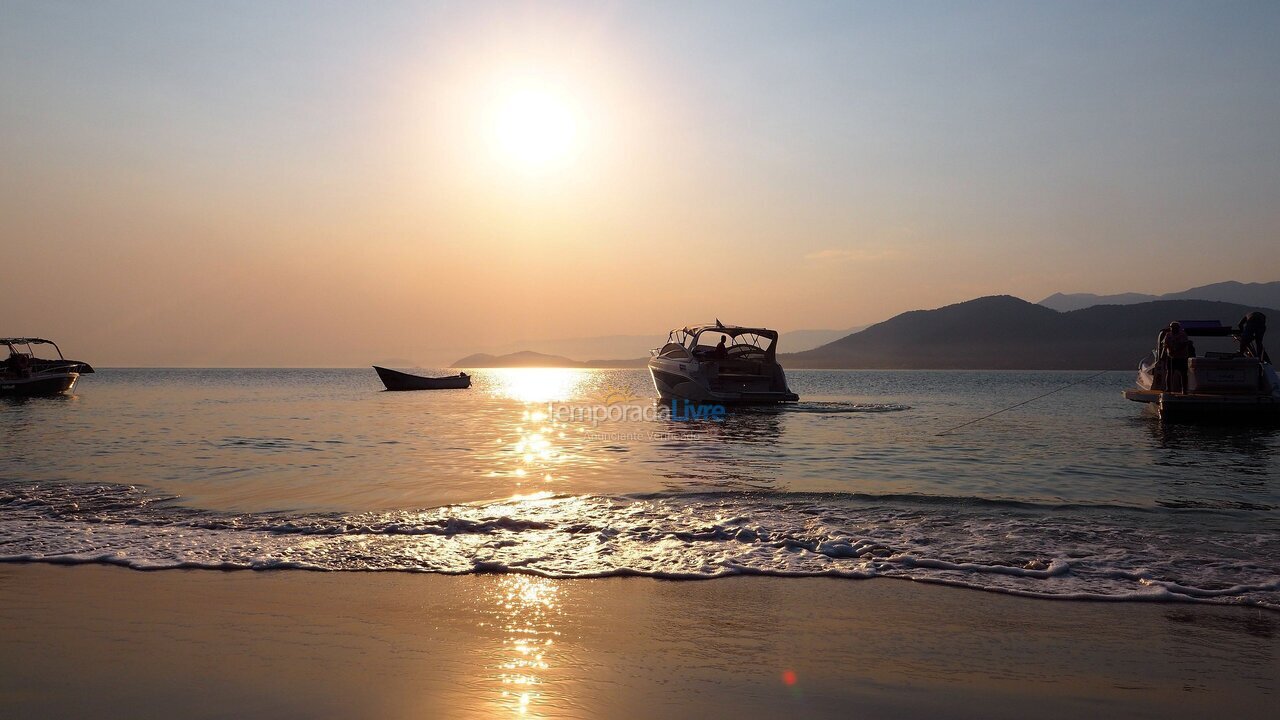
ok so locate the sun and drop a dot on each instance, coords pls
(535, 130)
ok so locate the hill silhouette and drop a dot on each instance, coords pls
(524, 358)
(1007, 333)
(624, 350)
(1255, 294)
(1066, 302)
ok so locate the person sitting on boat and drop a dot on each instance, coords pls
(1177, 348)
(1250, 331)
(19, 364)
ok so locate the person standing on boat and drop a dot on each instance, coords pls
(1177, 348)
(721, 352)
(1250, 331)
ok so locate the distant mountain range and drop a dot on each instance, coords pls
(631, 350)
(528, 358)
(524, 358)
(1256, 294)
(994, 333)
(617, 346)
(1006, 333)
(801, 340)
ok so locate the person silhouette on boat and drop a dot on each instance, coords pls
(1249, 332)
(19, 364)
(721, 352)
(1177, 347)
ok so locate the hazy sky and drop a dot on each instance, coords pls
(290, 183)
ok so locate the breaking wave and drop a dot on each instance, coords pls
(1096, 552)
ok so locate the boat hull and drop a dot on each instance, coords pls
(396, 380)
(1219, 391)
(1175, 407)
(673, 383)
(43, 385)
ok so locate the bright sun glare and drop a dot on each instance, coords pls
(535, 130)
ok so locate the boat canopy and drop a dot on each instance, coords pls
(730, 330)
(687, 337)
(11, 342)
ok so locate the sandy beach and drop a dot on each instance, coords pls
(109, 642)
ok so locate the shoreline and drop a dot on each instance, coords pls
(105, 641)
(1166, 598)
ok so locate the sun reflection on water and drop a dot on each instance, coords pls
(539, 385)
(526, 607)
(531, 457)
(558, 432)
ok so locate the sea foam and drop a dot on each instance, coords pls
(1067, 552)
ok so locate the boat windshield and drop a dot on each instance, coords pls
(737, 340)
(702, 339)
(1209, 339)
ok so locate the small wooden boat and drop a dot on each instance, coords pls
(396, 380)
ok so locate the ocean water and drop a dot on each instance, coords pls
(582, 473)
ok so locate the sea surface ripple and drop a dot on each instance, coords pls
(1080, 497)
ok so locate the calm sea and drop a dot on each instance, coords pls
(581, 473)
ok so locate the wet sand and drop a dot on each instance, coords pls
(107, 642)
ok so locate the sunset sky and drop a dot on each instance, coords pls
(310, 184)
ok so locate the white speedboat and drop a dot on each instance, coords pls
(23, 374)
(740, 366)
(1220, 385)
